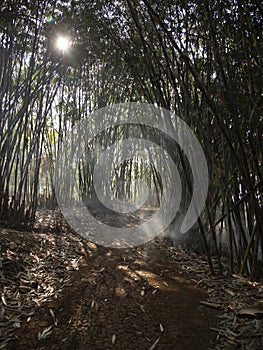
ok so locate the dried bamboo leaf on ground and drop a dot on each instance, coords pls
(251, 311)
(209, 304)
(32, 272)
(154, 344)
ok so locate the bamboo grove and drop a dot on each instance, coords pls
(201, 60)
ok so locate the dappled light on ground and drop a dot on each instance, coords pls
(62, 292)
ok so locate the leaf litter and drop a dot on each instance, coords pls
(36, 266)
(238, 301)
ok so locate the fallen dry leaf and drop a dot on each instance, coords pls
(212, 305)
(45, 334)
(154, 344)
(252, 311)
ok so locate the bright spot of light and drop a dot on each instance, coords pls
(63, 43)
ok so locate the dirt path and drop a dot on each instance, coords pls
(123, 299)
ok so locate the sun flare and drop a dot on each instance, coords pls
(63, 43)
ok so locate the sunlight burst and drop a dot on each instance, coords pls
(63, 43)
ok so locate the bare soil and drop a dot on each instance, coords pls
(123, 299)
(59, 291)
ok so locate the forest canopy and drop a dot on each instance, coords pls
(200, 60)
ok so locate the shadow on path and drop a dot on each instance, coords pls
(124, 299)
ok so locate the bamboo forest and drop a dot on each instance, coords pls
(131, 174)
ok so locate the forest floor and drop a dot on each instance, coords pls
(59, 291)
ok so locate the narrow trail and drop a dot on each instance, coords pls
(123, 299)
